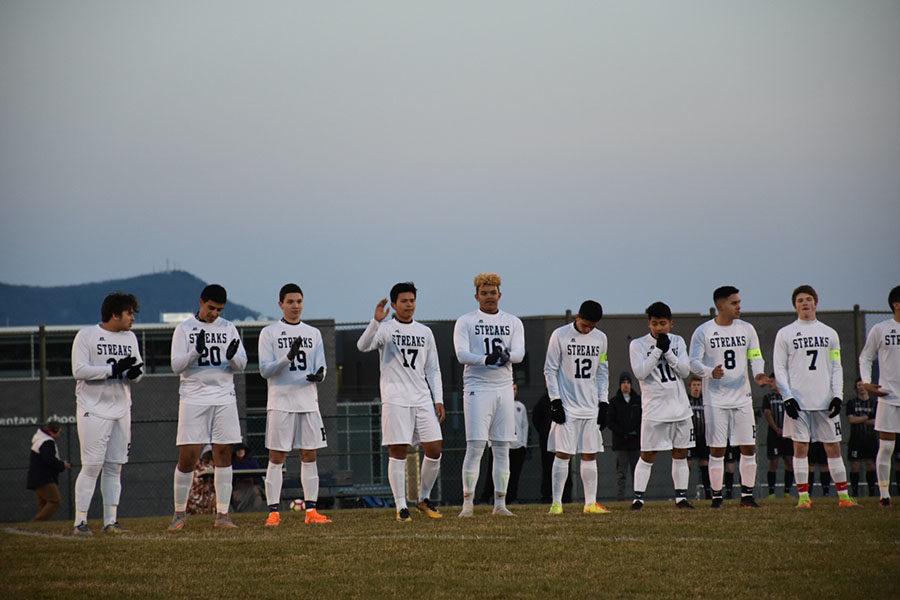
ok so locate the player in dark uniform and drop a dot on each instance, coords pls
(777, 446)
(863, 440)
(700, 452)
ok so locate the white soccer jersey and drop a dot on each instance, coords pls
(410, 371)
(807, 362)
(883, 341)
(576, 370)
(94, 352)
(730, 346)
(288, 388)
(475, 335)
(663, 397)
(207, 378)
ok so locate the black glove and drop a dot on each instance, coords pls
(122, 365)
(663, 342)
(557, 412)
(201, 342)
(792, 408)
(232, 348)
(317, 376)
(295, 348)
(493, 357)
(135, 371)
(835, 406)
(504, 357)
(601, 415)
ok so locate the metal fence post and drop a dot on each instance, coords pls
(42, 353)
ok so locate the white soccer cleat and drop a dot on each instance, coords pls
(467, 511)
(502, 511)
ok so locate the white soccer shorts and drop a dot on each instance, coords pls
(666, 435)
(730, 426)
(103, 440)
(286, 431)
(574, 436)
(813, 426)
(409, 424)
(208, 424)
(887, 418)
(490, 414)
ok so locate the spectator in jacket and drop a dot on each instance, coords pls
(44, 468)
(246, 496)
(624, 419)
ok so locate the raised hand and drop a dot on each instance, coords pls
(382, 310)
(295, 348)
(663, 342)
(201, 342)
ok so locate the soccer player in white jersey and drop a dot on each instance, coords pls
(206, 353)
(807, 360)
(883, 343)
(720, 350)
(488, 342)
(577, 376)
(412, 403)
(106, 359)
(292, 359)
(660, 361)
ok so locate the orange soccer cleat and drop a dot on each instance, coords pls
(274, 519)
(848, 502)
(314, 517)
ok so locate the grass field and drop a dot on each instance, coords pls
(661, 552)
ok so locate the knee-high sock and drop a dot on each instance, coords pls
(397, 479)
(839, 474)
(274, 481)
(470, 469)
(560, 474)
(84, 490)
(771, 477)
(500, 473)
(801, 474)
(681, 474)
(641, 477)
(428, 476)
(788, 481)
(716, 473)
(871, 483)
(309, 480)
(111, 490)
(854, 483)
(589, 480)
(883, 467)
(704, 477)
(182, 489)
(222, 481)
(747, 467)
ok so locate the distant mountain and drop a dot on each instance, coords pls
(172, 291)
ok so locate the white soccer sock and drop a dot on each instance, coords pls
(428, 476)
(642, 475)
(222, 482)
(309, 479)
(838, 470)
(274, 481)
(716, 473)
(747, 467)
(589, 480)
(182, 489)
(883, 467)
(111, 491)
(471, 467)
(500, 471)
(559, 474)
(801, 470)
(85, 484)
(681, 474)
(397, 479)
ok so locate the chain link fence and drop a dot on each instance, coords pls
(354, 463)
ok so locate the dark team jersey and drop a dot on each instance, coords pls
(698, 417)
(775, 403)
(860, 433)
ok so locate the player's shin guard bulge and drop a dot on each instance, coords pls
(222, 481)
(85, 484)
(883, 467)
(470, 469)
(397, 479)
(559, 475)
(309, 480)
(182, 489)
(500, 471)
(274, 481)
(431, 468)
(111, 490)
(716, 475)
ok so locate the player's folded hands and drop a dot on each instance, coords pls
(317, 376)
(232, 348)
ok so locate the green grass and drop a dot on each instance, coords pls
(775, 552)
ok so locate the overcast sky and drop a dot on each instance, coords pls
(622, 151)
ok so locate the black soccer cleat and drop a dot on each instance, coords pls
(748, 502)
(684, 503)
(637, 505)
(717, 502)
(885, 503)
(403, 515)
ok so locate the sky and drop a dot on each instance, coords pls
(622, 151)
